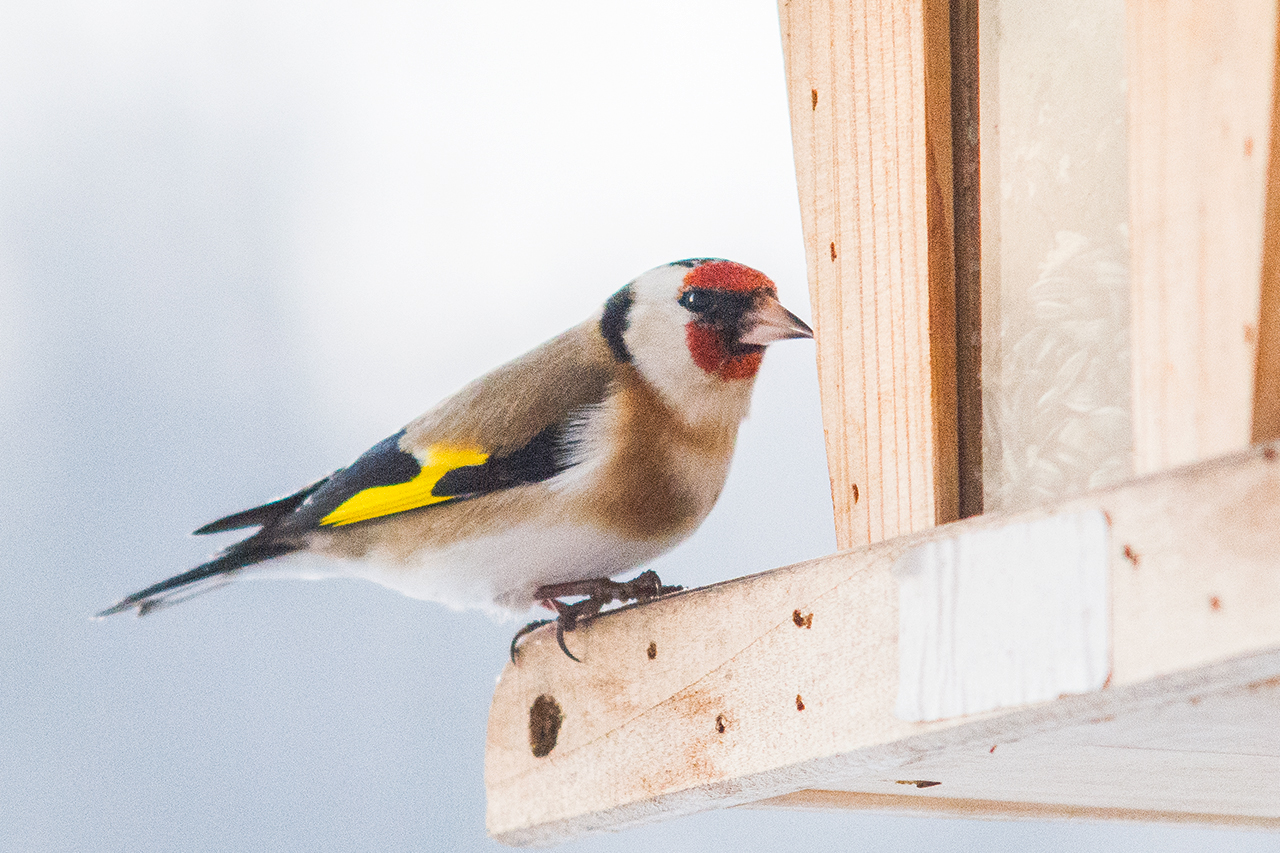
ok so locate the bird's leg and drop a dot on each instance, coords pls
(643, 587)
(599, 592)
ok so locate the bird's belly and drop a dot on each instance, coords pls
(501, 572)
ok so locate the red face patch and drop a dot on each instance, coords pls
(709, 353)
(726, 275)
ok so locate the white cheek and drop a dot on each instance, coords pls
(661, 343)
(656, 339)
(659, 347)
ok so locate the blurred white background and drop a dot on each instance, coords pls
(242, 241)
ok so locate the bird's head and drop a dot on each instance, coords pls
(698, 327)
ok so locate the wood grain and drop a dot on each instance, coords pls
(1200, 94)
(868, 83)
(967, 218)
(987, 809)
(1266, 383)
(786, 681)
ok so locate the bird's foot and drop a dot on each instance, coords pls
(599, 593)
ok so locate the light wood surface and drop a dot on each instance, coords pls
(956, 807)
(787, 681)
(868, 82)
(1266, 387)
(1200, 95)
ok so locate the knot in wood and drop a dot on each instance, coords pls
(545, 718)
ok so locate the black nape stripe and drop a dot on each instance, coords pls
(613, 323)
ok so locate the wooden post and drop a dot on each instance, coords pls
(1266, 385)
(868, 82)
(1200, 90)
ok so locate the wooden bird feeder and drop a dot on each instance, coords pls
(1046, 289)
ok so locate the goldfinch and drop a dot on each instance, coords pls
(585, 458)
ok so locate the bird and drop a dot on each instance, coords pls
(545, 478)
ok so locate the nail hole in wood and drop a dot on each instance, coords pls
(799, 703)
(854, 489)
(545, 718)
(815, 98)
(802, 620)
(833, 251)
(652, 651)
(721, 723)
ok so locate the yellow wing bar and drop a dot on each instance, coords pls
(378, 501)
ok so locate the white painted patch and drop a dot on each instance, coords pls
(1003, 617)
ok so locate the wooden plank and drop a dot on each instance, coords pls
(967, 219)
(868, 82)
(1266, 386)
(1200, 90)
(1195, 754)
(955, 807)
(787, 681)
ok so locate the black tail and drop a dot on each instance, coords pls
(203, 578)
(262, 516)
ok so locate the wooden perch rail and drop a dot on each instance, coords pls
(780, 689)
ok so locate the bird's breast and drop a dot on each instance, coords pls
(645, 473)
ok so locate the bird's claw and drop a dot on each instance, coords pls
(560, 629)
(532, 626)
(599, 593)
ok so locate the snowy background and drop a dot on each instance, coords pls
(242, 241)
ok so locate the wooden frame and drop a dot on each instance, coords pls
(786, 689)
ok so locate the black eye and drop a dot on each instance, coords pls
(695, 300)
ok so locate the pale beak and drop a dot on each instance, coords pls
(769, 322)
